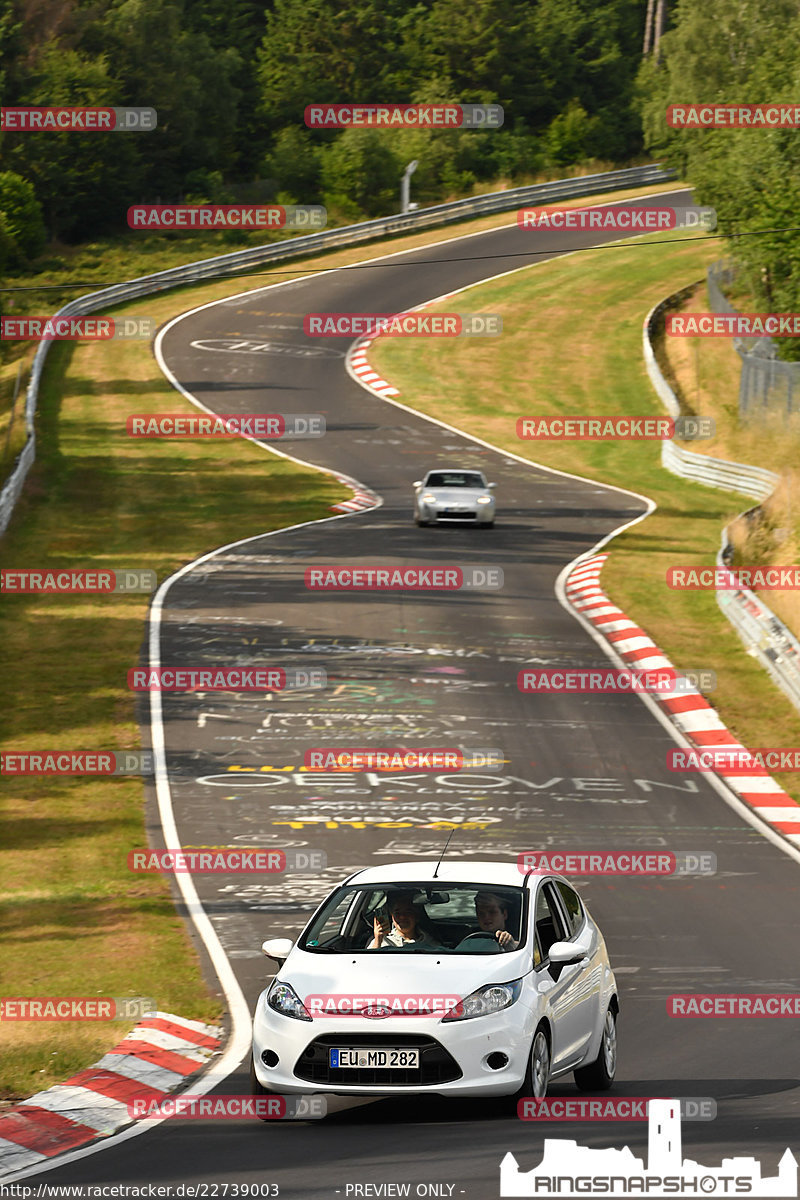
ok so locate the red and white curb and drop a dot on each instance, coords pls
(155, 1058)
(359, 364)
(361, 501)
(690, 711)
(362, 368)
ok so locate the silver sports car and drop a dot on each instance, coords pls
(453, 494)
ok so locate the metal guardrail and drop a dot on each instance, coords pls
(763, 634)
(700, 468)
(348, 235)
(718, 472)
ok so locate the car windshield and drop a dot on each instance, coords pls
(454, 479)
(417, 918)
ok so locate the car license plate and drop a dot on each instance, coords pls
(366, 1056)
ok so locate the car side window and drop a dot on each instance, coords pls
(572, 905)
(549, 927)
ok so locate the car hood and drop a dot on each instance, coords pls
(376, 974)
(457, 495)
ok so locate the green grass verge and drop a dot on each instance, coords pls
(571, 344)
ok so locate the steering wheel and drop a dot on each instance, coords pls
(480, 934)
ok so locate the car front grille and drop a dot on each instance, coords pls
(436, 1065)
(447, 515)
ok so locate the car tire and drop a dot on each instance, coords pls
(599, 1075)
(421, 524)
(257, 1088)
(537, 1072)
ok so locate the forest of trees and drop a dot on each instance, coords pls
(230, 80)
(737, 51)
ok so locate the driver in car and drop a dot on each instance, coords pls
(405, 929)
(492, 916)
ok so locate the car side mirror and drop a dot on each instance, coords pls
(417, 483)
(278, 948)
(491, 485)
(564, 954)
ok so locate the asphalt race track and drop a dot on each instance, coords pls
(582, 771)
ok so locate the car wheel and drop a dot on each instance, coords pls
(420, 523)
(537, 1074)
(256, 1088)
(599, 1075)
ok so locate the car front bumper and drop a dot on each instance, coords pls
(454, 1056)
(482, 515)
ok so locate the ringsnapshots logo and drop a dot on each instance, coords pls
(613, 1108)
(75, 329)
(567, 1169)
(735, 760)
(229, 1108)
(660, 680)
(407, 324)
(76, 1008)
(77, 582)
(733, 325)
(376, 115)
(619, 428)
(225, 860)
(260, 426)
(76, 762)
(225, 679)
(588, 863)
(37, 119)
(733, 116)
(227, 216)
(335, 578)
(622, 220)
(350, 759)
(735, 579)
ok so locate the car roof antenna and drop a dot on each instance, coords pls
(441, 856)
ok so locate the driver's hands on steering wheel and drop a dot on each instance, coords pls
(505, 939)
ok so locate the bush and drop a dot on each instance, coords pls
(23, 233)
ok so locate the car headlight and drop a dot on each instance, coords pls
(428, 498)
(485, 499)
(285, 1000)
(492, 998)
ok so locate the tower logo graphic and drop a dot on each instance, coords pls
(568, 1169)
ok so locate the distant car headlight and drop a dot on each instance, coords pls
(485, 499)
(285, 1000)
(492, 998)
(428, 498)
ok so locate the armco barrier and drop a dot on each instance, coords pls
(775, 646)
(348, 235)
(763, 634)
(700, 468)
(718, 472)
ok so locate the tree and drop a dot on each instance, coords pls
(719, 52)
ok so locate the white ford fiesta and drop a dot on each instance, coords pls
(458, 979)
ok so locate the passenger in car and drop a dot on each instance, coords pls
(492, 914)
(405, 928)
